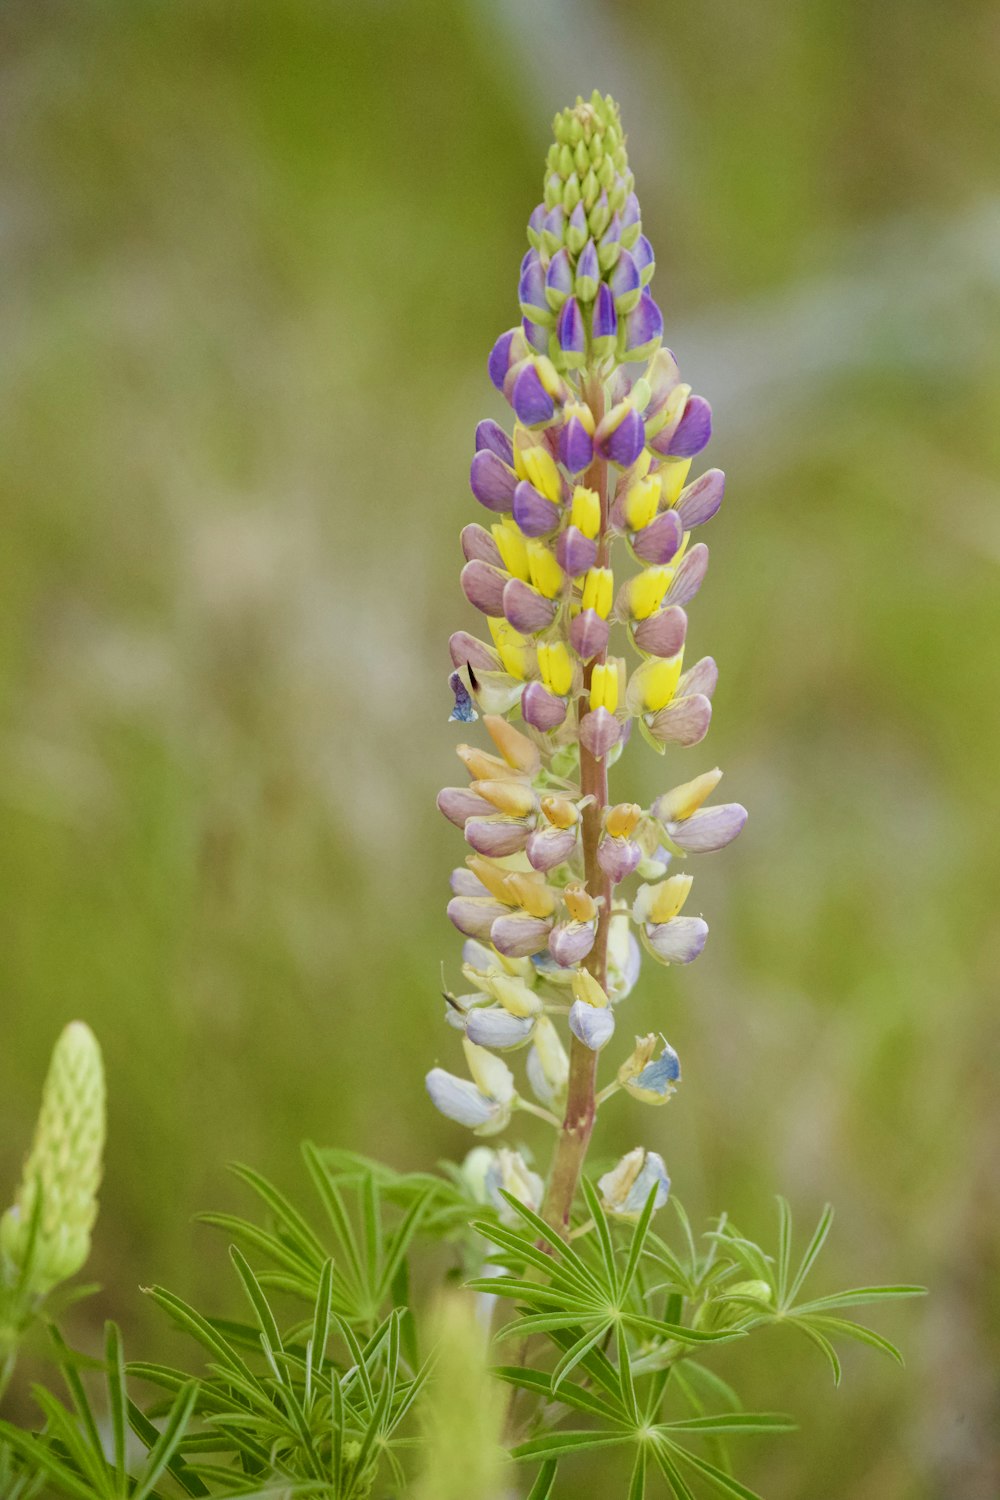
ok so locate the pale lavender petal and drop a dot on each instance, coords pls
(575, 553)
(702, 678)
(588, 634)
(576, 229)
(483, 586)
(524, 607)
(535, 515)
(599, 732)
(477, 955)
(542, 709)
(559, 277)
(490, 434)
(493, 482)
(693, 430)
(659, 541)
(570, 332)
(685, 721)
(529, 398)
(642, 254)
(631, 213)
(618, 857)
(536, 336)
(588, 272)
(458, 1099)
(496, 836)
(643, 325)
(570, 942)
(612, 235)
(531, 287)
(555, 223)
(678, 941)
(662, 634)
(576, 446)
(466, 650)
(593, 1025)
(474, 915)
(690, 574)
(700, 501)
(477, 542)
(519, 936)
(709, 828)
(536, 220)
(548, 847)
(463, 882)
(492, 1026)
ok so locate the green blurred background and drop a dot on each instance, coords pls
(253, 257)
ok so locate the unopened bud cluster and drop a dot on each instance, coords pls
(47, 1231)
(579, 650)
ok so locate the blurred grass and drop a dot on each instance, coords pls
(252, 261)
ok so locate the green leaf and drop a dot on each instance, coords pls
(517, 1245)
(734, 1421)
(117, 1398)
(724, 1482)
(625, 1374)
(671, 1473)
(597, 1365)
(605, 1241)
(859, 1297)
(784, 1248)
(540, 1384)
(637, 1484)
(316, 1349)
(848, 1330)
(148, 1436)
(575, 1353)
(259, 1239)
(822, 1343)
(681, 1334)
(562, 1247)
(166, 1445)
(259, 1303)
(557, 1444)
(639, 1242)
(399, 1243)
(200, 1329)
(336, 1211)
(544, 1481)
(294, 1225)
(815, 1246)
(39, 1457)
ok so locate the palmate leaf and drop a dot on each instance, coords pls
(579, 1397)
(544, 1481)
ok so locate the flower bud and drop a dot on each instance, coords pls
(63, 1167)
(683, 800)
(520, 753)
(547, 1066)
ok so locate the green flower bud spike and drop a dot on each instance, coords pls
(45, 1236)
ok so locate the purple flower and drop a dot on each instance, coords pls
(519, 936)
(620, 435)
(531, 287)
(657, 542)
(571, 334)
(693, 430)
(478, 543)
(685, 721)
(600, 731)
(559, 278)
(700, 501)
(484, 586)
(490, 434)
(542, 709)
(604, 325)
(588, 634)
(662, 634)
(588, 273)
(709, 828)
(459, 804)
(548, 847)
(576, 446)
(575, 553)
(529, 398)
(497, 836)
(493, 482)
(643, 326)
(570, 942)
(524, 607)
(690, 575)
(535, 515)
(678, 941)
(618, 857)
(625, 283)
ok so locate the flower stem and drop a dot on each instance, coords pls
(581, 1109)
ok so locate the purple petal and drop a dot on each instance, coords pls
(575, 553)
(540, 708)
(529, 398)
(588, 634)
(570, 942)
(478, 543)
(464, 711)
(559, 277)
(612, 235)
(475, 915)
(493, 482)
(496, 837)
(657, 542)
(678, 941)
(699, 502)
(576, 230)
(624, 443)
(535, 515)
(500, 357)
(466, 650)
(690, 575)
(570, 332)
(536, 220)
(490, 434)
(519, 936)
(624, 281)
(618, 858)
(631, 213)
(531, 287)
(555, 223)
(642, 254)
(605, 320)
(576, 446)
(459, 804)
(709, 828)
(703, 678)
(599, 732)
(525, 608)
(588, 272)
(593, 1025)
(548, 847)
(643, 325)
(662, 634)
(685, 721)
(693, 430)
(484, 586)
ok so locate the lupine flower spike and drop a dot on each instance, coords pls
(582, 568)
